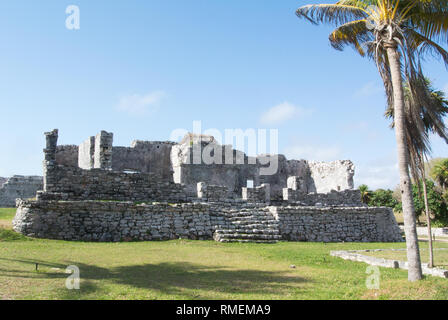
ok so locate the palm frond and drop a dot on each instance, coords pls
(354, 33)
(425, 45)
(336, 14)
(430, 18)
(425, 110)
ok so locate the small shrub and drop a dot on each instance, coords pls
(10, 235)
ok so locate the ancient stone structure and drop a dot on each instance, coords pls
(164, 190)
(18, 187)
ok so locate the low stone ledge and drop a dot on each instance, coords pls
(106, 220)
(355, 255)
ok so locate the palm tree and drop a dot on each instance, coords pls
(439, 173)
(423, 116)
(396, 34)
(365, 193)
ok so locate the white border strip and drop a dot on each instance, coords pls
(353, 255)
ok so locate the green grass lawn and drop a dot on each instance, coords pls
(6, 216)
(196, 270)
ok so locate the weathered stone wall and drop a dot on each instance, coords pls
(218, 168)
(97, 203)
(19, 187)
(259, 194)
(144, 156)
(286, 169)
(327, 176)
(200, 158)
(117, 221)
(86, 154)
(333, 198)
(103, 150)
(67, 155)
(212, 193)
(112, 221)
(71, 183)
(337, 224)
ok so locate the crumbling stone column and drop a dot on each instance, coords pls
(51, 145)
(49, 162)
(297, 183)
(259, 194)
(212, 193)
(202, 190)
(267, 192)
(86, 154)
(103, 150)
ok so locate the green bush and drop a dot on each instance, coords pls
(10, 235)
(382, 198)
(436, 202)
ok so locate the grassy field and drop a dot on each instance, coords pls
(421, 220)
(6, 216)
(195, 270)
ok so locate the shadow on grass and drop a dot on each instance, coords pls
(180, 279)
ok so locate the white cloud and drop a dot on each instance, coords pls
(141, 104)
(376, 177)
(369, 89)
(445, 88)
(283, 112)
(313, 153)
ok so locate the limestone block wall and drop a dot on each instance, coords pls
(212, 193)
(259, 194)
(336, 224)
(285, 169)
(297, 183)
(112, 221)
(327, 176)
(190, 167)
(118, 221)
(144, 156)
(103, 150)
(86, 154)
(201, 158)
(71, 183)
(333, 198)
(19, 187)
(67, 155)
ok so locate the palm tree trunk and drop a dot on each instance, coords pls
(428, 221)
(413, 253)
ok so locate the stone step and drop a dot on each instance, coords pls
(249, 212)
(253, 225)
(249, 215)
(246, 236)
(246, 241)
(258, 220)
(249, 231)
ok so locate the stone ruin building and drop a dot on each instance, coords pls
(23, 187)
(162, 190)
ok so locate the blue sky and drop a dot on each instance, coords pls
(144, 68)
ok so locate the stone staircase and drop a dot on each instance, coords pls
(255, 226)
